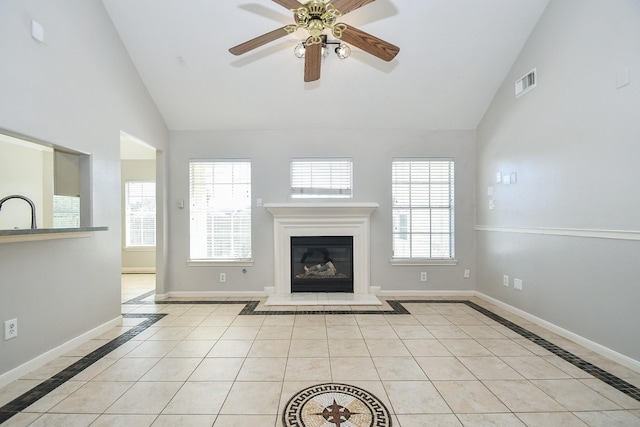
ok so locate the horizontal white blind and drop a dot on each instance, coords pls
(220, 210)
(423, 208)
(328, 178)
(140, 213)
(66, 212)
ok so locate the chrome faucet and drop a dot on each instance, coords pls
(26, 199)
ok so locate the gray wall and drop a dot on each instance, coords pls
(573, 142)
(270, 152)
(78, 89)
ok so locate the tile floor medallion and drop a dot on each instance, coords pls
(335, 405)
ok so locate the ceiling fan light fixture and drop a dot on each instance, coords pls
(325, 51)
(343, 51)
(299, 50)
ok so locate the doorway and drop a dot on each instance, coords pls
(138, 164)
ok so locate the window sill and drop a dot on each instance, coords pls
(220, 263)
(139, 249)
(423, 261)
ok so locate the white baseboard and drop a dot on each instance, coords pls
(426, 293)
(593, 346)
(138, 270)
(211, 294)
(54, 353)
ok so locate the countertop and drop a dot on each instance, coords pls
(30, 234)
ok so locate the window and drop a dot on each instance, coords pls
(220, 210)
(66, 212)
(422, 210)
(140, 213)
(321, 178)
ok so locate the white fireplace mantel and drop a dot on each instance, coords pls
(321, 219)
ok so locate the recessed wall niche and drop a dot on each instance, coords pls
(55, 178)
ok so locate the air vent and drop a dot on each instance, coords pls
(526, 83)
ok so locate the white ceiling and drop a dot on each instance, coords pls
(453, 56)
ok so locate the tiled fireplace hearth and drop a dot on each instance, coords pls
(320, 219)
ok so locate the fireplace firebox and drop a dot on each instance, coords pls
(322, 264)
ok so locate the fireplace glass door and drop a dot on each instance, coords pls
(322, 264)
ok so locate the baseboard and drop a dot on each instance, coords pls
(138, 270)
(54, 353)
(211, 294)
(591, 345)
(425, 293)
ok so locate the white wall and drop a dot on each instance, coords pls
(78, 89)
(573, 142)
(372, 152)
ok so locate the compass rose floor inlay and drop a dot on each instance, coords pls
(335, 405)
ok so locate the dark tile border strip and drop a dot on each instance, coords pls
(30, 397)
(140, 298)
(250, 310)
(615, 382)
(250, 307)
(33, 395)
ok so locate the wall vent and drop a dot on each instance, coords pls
(526, 83)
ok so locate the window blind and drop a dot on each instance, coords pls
(66, 212)
(140, 213)
(321, 178)
(423, 208)
(220, 210)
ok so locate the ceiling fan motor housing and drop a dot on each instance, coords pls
(315, 17)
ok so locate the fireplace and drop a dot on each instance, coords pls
(322, 264)
(320, 219)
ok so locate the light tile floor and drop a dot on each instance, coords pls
(205, 364)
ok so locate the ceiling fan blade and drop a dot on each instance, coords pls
(258, 41)
(346, 6)
(368, 43)
(289, 4)
(312, 61)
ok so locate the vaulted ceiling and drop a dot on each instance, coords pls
(453, 56)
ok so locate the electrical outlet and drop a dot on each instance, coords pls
(423, 276)
(10, 329)
(223, 277)
(467, 273)
(517, 284)
(505, 280)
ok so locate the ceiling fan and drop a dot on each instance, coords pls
(315, 16)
